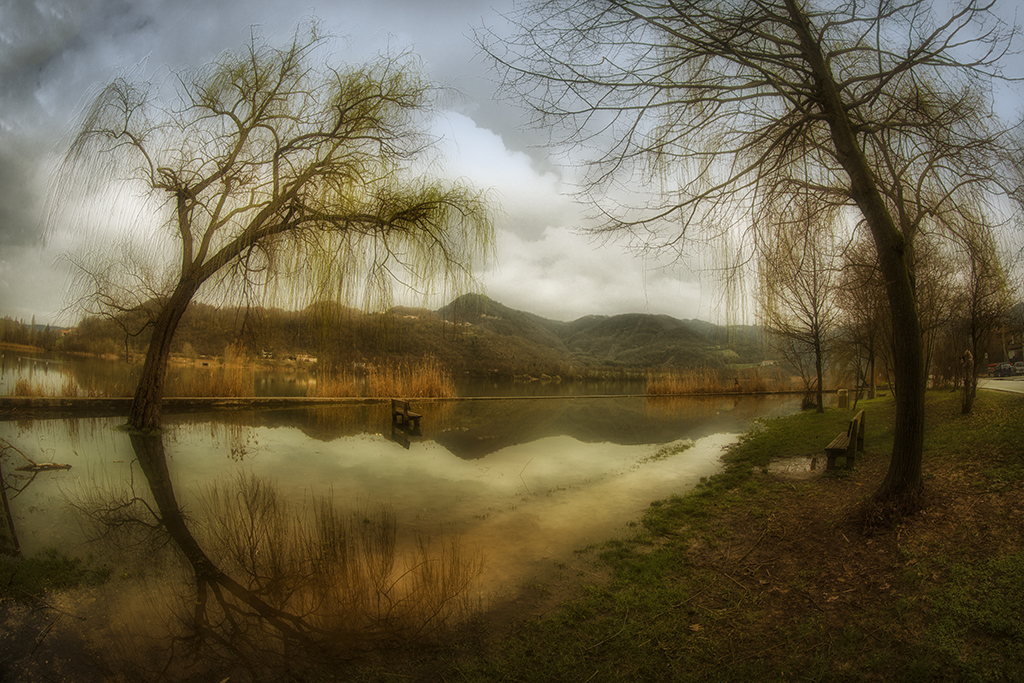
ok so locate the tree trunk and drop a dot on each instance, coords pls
(145, 410)
(820, 372)
(969, 363)
(902, 485)
(871, 367)
(149, 452)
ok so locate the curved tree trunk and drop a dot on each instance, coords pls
(902, 484)
(145, 410)
(149, 452)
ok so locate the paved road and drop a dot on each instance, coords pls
(1014, 384)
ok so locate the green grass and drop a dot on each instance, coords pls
(938, 610)
(979, 630)
(24, 578)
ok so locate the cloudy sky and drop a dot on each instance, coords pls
(55, 54)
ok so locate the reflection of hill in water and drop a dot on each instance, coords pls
(484, 427)
(476, 428)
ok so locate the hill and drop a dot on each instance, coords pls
(473, 334)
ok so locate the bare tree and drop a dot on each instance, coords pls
(982, 306)
(866, 325)
(879, 108)
(267, 166)
(799, 267)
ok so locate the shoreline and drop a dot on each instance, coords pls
(19, 407)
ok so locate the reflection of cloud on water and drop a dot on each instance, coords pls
(521, 505)
(555, 485)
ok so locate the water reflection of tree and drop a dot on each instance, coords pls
(271, 584)
(9, 543)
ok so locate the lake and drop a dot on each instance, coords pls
(524, 480)
(54, 374)
(518, 484)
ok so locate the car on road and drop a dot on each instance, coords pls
(1003, 370)
(1018, 368)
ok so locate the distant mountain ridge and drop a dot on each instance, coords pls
(472, 335)
(630, 340)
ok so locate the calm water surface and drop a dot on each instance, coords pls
(525, 481)
(54, 374)
(521, 483)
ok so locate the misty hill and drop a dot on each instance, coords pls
(473, 334)
(634, 340)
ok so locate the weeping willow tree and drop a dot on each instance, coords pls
(265, 172)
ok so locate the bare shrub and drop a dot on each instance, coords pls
(339, 571)
(25, 388)
(69, 388)
(324, 576)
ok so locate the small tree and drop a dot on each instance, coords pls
(982, 307)
(866, 324)
(267, 167)
(799, 267)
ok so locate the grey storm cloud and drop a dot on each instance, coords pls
(57, 54)
(19, 223)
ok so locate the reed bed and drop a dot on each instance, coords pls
(25, 388)
(707, 381)
(70, 388)
(680, 382)
(344, 572)
(232, 381)
(329, 385)
(338, 579)
(426, 378)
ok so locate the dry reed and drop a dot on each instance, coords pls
(236, 379)
(230, 381)
(341, 578)
(341, 571)
(328, 385)
(421, 379)
(682, 382)
(708, 381)
(25, 388)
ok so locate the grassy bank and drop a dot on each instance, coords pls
(759, 575)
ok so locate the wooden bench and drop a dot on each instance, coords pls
(847, 443)
(401, 416)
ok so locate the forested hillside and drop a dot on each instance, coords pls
(472, 334)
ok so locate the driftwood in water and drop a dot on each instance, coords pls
(42, 467)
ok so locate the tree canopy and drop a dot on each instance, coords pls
(267, 171)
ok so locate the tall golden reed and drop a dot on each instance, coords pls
(236, 379)
(708, 381)
(329, 385)
(690, 381)
(426, 378)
